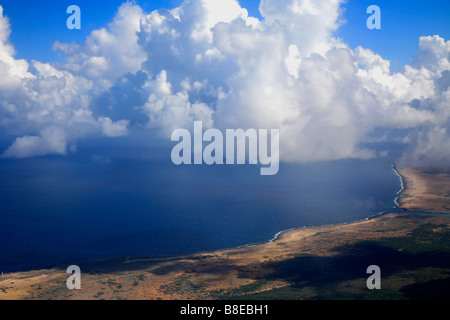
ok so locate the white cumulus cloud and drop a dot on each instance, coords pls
(209, 60)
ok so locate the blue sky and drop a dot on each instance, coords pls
(36, 25)
(403, 22)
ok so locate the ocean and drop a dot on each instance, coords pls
(63, 209)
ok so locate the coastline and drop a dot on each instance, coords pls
(397, 206)
(222, 274)
(402, 185)
(261, 240)
(401, 194)
(254, 269)
(373, 216)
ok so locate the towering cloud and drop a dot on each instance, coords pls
(108, 52)
(209, 60)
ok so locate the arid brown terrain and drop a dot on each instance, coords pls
(330, 262)
(427, 189)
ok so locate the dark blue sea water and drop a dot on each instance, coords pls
(65, 209)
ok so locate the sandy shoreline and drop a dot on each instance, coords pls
(422, 194)
(248, 269)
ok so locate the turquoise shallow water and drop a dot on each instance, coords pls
(65, 209)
